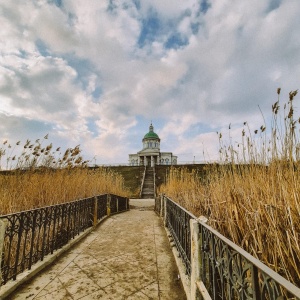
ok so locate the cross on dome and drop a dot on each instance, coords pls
(151, 127)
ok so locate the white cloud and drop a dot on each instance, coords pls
(169, 8)
(81, 69)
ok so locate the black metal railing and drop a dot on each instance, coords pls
(33, 234)
(102, 201)
(178, 223)
(226, 270)
(118, 204)
(229, 272)
(123, 204)
(113, 204)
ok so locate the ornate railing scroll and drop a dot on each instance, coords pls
(226, 270)
(178, 223)
(33, 234)
(229, 272)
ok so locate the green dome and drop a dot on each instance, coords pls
(151, 134)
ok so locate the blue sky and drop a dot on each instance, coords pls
(96, 73)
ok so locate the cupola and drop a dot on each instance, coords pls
(151, 134)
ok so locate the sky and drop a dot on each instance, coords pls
(97, 72)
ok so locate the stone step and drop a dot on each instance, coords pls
(148, 185)
(147, 196)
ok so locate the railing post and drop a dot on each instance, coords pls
(108, 204)
(95, 211)
(3, 225)
(165, 211)
(195, 258)
(161, 205)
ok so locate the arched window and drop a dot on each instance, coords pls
(167, 161)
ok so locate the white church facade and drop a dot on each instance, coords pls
(150, 155)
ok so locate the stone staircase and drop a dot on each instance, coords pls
(148, 186)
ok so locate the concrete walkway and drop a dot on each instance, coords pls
(128, 256)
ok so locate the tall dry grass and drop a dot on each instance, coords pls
(40, 176)
(252, 196)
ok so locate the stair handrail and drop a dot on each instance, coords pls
(142, 184)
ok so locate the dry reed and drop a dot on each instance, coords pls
(252, 196)
(40, 176)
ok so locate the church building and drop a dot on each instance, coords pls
(150, 155)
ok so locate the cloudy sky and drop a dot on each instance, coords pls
(96, 72)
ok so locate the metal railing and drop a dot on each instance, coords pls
(178, 223)
(221, 269)
(229, 272)
(31, 235)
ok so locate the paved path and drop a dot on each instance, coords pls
(127, 257)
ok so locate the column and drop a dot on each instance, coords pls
(145, 160)
(152, 161)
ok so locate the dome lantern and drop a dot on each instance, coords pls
(151, 134)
